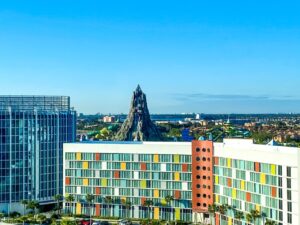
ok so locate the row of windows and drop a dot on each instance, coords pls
(132, 157)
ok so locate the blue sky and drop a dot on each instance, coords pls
(188, 56)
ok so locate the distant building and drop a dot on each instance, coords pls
(109, 119)
(197, 117)
(32, 132)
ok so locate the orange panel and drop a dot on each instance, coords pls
(248, 197)
(143, 166)
(97, 209)
(117, 174)
(216, 159)
(217, 219)
(184, 167)
(257, 167)
(97, 191)
(229, 182)
(177, 195)
(274, 192)
(98, 157)
(143, 199)
(68, 181)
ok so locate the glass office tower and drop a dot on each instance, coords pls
(32, 132)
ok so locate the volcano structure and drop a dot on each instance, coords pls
(138, 125)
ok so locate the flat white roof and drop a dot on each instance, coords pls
(242, 149)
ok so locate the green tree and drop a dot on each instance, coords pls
(148, 203)
(169, 199)
(127, 205)
(255, 215)
(223, 209)
(33, 205)
(69, 199)
(212, 209)
(24, 203)
(238, 215)
(108, 201)
(58, 198)
(90, 199)
(270, 222)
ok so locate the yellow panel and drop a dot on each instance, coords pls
(143, 184)
(176, 158)
(229, 221)
(273, 169)
(263, 178)
(85, 182)
(156, 193)
(156, 213)
(156, 158)
(123, 199)
(78, 156)
(78, 208)
(216, 179)
(228, 162)
(103, 182)
(234, 193)
(257, 207)
(85, 165)
(217, 198)
(177, 176)
(123, 166)
(177, 213)
(243, 185)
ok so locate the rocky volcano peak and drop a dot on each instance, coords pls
(138, 125)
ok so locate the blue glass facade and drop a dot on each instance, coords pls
(32, 132)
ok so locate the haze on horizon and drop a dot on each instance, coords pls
(208, 57)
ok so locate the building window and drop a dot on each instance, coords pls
(198, 177)
(198, 204)
(289, 171)
(203, 149)
(198, 167)
(197, 149)
(208, 150)
(204, 159)
(198, 186)
(198, 195)
(197, 158)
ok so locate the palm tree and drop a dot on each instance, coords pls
(108, 201)
(169, 199)
(223, 209)
(24, 203)
(270, 222)
(249, 218)
(33, 205)
(212, 209)
(239, 216)
(127, 205)
(69, 199)
(255, 215)
(58, 198)
(148, 203)
(89, 199)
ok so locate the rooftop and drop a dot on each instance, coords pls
(25, 102)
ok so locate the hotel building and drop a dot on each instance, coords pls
(32, 132)
(237, 175)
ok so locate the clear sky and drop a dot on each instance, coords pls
(188, 56)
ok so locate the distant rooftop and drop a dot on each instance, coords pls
(20, 102)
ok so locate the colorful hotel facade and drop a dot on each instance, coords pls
(124, 176)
